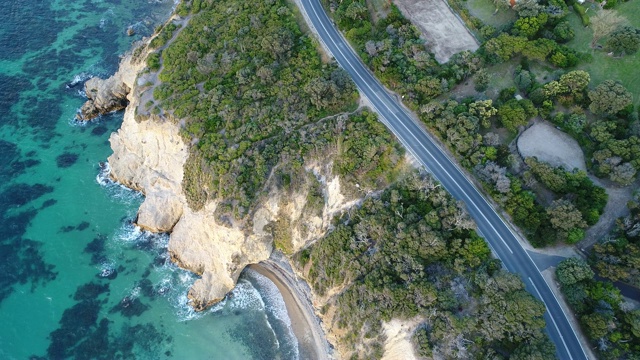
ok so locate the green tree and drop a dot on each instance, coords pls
(481, 80)
(524, 80)
(575, 82)
(624, 41)
(573, 270)
(623, 174)
(609, 98)
(632, 319)
(516, 113)
(500, 316)
(484, 110)
(596, 325)
(538, 349)
(505, 46)
(529, 26)
(565, 219)
(563, 32)
(356, 11)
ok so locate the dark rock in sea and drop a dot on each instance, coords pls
(19, 166)
(66, 160)
(48, 203)
(99, 130)
(146, 288)
(82, 226)
(96, 248)
(95, 343)
(21, 194)
(130, 307)
(72, 84)
(163, 290)
(21, 259)
(67, 228)
(160, 260)
(90, 291)
(77, 323)
(146, 273)
(108, 273)
(131, 31)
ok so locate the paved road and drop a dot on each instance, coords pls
(420, 144)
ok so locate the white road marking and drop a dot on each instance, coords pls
(338, 46)
(412, 134)
(554, 322)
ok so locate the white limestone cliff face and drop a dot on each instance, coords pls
(149, 156)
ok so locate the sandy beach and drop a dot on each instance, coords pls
(305, 324)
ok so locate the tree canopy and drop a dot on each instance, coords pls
(609, 98)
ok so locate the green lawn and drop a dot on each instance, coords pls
(501, 77)
(630, 10)
(604, 67)
(485, 11)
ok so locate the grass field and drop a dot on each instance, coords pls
(604, 67)
(485, 11)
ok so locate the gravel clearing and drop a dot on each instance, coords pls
(552, 146)
(441, 27)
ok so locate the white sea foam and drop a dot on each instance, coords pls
(107, 268)
(116, 190)
(78, 79)
(245, 297)
(106, 18)
(174, 284)
(274, 304)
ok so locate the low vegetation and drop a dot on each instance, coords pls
(248, 84)
(411, 252)
(617, 256)
(613, 330)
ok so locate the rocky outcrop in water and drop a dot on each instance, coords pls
(104, 96)
(112, 94)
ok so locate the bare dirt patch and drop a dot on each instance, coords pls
(444, 31)
(552, 146)
(398, 344)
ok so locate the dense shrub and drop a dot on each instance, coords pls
(410, 252)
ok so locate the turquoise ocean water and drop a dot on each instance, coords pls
(77, 280)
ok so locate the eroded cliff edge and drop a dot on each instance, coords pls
(149, 156)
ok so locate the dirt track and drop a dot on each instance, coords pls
(444, 31)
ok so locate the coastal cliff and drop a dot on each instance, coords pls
(149, 156)
(275, 174)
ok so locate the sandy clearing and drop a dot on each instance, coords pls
(444, 31)
(552, 146)
(398, 345)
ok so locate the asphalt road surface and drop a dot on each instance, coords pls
(502, 241)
